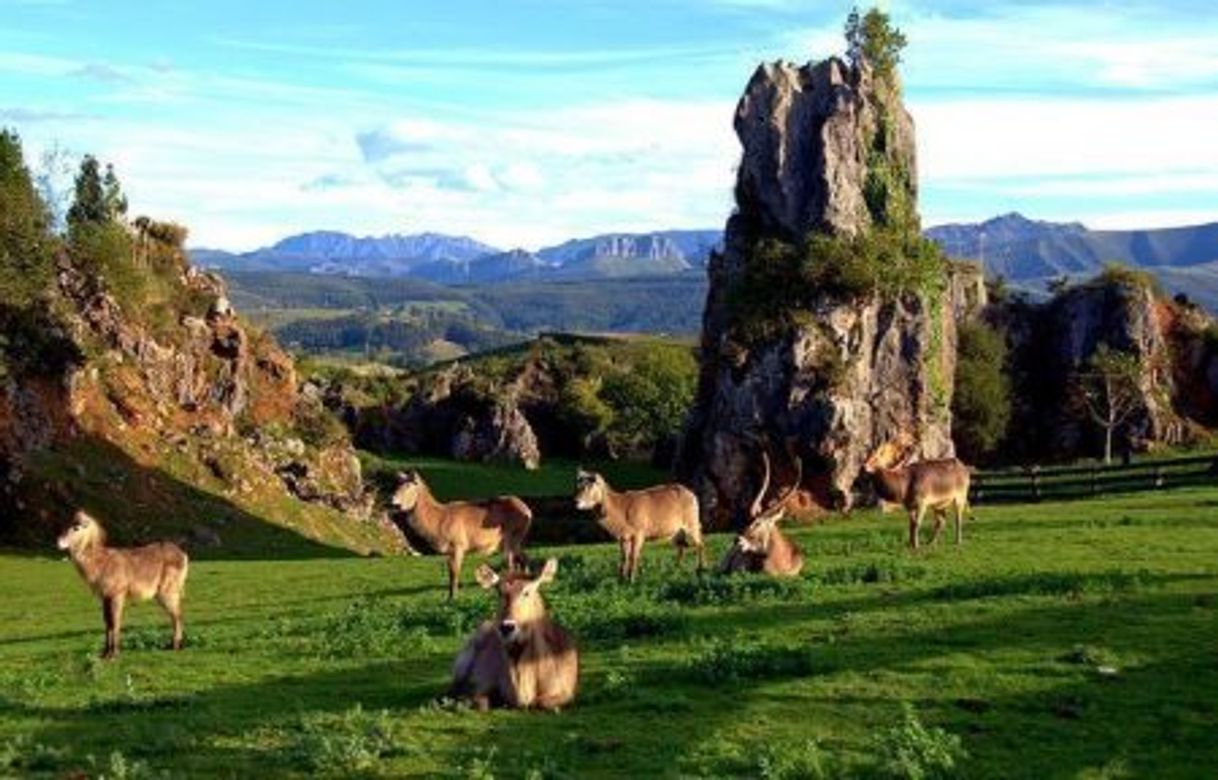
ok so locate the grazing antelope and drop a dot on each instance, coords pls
(461, 527)
(633, 517)
(762, 547)
(522, 659)
(937, 485)
(115, 575)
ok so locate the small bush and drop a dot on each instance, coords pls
(341, 744)
(911, 751)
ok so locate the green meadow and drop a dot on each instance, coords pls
(1063, 640)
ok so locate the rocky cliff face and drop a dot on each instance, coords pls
(1051, 343)
(182, 397)
(853, 371)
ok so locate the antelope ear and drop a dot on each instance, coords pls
(486, 577)
(548, 572)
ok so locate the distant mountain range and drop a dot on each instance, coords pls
(1026, 252)
(460, 260)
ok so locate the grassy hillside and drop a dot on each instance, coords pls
(1072, 640)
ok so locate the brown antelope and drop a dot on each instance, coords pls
(522, 659)
(115, 575)
(460, 527)
(937, 485)
(762, 547)
(633, 517)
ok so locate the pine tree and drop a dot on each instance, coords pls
(25, 245)
(89, 206)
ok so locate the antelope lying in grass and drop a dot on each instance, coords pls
(462, 527)
(522, 659)
(636, 516)
(762, 547)
(115, 575)
(937, 485)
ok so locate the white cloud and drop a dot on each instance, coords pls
(987, 138)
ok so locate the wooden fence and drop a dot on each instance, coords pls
(1036, 483)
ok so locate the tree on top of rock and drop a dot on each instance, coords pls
(873, 39)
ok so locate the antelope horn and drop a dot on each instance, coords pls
(755, 509)
(790, 491)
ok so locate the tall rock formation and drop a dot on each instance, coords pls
(828, 152)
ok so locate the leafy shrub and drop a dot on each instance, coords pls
(911, 751)
(353, 741)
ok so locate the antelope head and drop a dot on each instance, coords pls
(893, 454)
(84, 532)
(407, 493)
(590, 490)
(520, 601)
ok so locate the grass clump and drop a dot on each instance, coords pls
(911, 751)
(353, 741)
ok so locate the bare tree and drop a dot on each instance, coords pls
(1109, 390)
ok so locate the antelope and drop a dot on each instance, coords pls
(522, 659)
(460, 527)
(633, 517)
(115, 575)
(762, 547)
(937, 485)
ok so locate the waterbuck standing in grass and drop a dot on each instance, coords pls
(633, 517)
(522, 659)
(117, 574)
(460, 527)
(761, 546)
(937, 485)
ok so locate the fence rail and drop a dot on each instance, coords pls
(1037, 484)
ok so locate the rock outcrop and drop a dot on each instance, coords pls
(181, 394)
(453, 414)
(1051, 343)
(853, 370)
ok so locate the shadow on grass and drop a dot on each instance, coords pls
(137, 505)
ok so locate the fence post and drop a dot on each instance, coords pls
(1036, 482)
(1095, 475)
(1158, 475)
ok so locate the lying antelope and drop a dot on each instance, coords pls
(633, 517)
(937, 485)
(522, 659)
(115, 575)
(762, 547)
(461, 527)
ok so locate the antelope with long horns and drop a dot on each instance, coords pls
(762, 546)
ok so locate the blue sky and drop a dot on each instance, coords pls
(522, 122)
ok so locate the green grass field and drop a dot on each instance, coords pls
(1063, 640)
